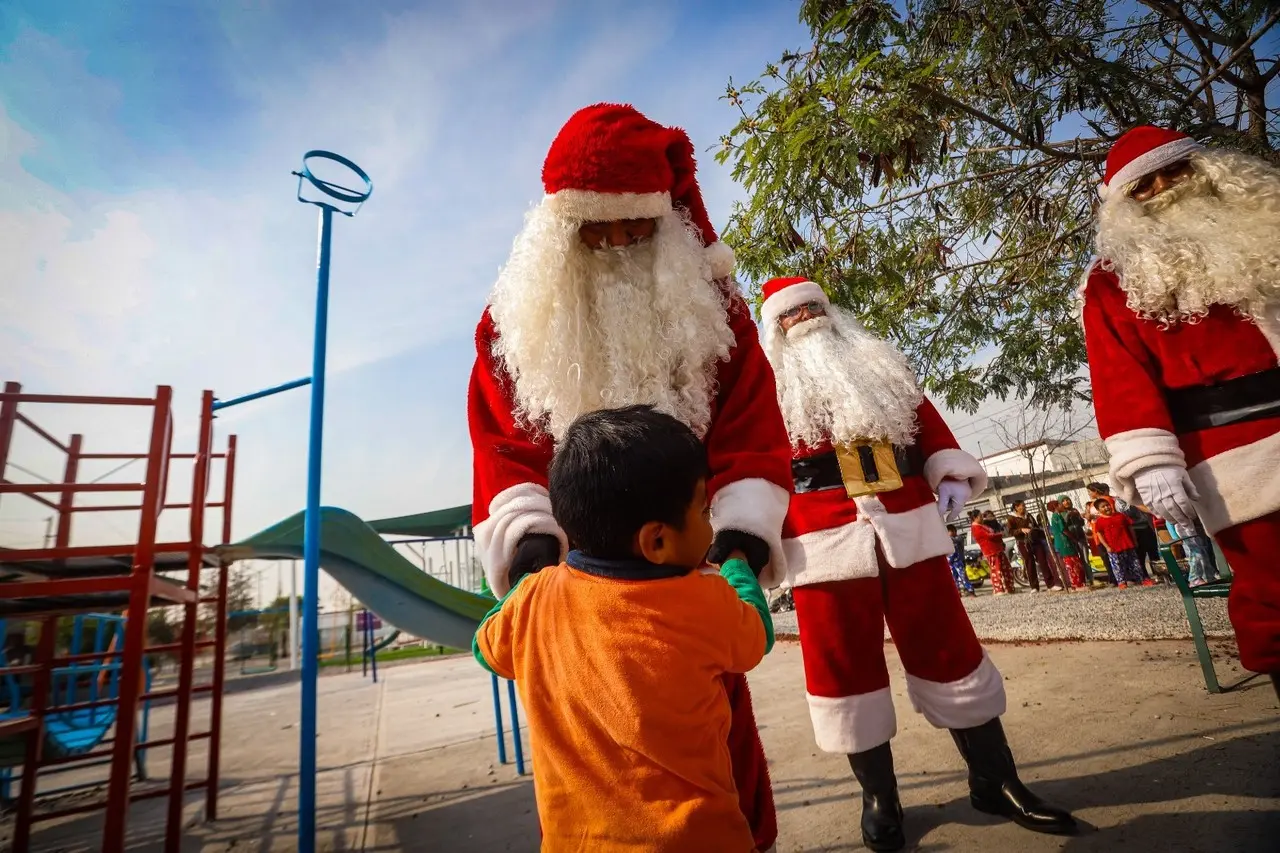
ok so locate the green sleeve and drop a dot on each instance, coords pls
(744, 583)
(493, 611)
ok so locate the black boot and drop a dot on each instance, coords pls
(994, 786)
(881, 811)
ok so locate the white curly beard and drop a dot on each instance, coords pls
(582, 330)
(1212, 240)
(838, 382)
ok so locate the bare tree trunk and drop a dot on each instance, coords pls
(1255, 96)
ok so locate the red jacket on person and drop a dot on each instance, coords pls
(1116, 532)
(988, 540)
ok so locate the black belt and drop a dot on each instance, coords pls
(1246, 398)
(816, 473)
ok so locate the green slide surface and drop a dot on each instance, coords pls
(387, 583)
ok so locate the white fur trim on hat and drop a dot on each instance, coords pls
(721, 258)
(789, 297)
(1144, 164)
(590, 206)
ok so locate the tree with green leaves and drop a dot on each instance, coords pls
(934, 163)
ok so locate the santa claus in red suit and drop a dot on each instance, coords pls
(1182, 321)
(865, 545)
(618, 292)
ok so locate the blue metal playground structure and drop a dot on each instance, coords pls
(82, 712)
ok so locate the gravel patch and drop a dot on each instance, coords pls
(1142, 613)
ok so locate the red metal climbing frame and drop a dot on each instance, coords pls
(65, 579)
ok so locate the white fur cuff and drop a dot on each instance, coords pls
(961, 704)
(513, 514)
(789, 297)
(589, 206)
(1136, 449)
(1238, 485)
(955, 464)
(849, 724)
(758, 507)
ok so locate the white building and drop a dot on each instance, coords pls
(1046, 469)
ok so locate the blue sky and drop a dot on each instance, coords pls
(151, 236)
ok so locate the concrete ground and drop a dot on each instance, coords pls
(1123, 733)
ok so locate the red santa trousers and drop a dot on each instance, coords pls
(1252, 550)
(750, 768)
(950, 679)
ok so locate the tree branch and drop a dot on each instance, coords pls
(974, 112)
(944, 185)
(1221, 71)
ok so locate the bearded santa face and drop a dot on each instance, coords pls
(1209, 234)
(588, 321)
(838, 382)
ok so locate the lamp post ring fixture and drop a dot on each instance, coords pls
(329, 188)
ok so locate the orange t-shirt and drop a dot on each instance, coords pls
(628, 717)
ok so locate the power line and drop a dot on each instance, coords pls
(30, 473)
(120, 467)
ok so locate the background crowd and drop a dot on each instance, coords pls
(1061, 546)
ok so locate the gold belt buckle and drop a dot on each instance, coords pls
(868, 467)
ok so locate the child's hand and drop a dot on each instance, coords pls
(735, 555)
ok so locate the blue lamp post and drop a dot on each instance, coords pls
(311, 532)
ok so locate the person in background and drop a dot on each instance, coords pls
(1032, 547)
(1116, 533)
(1077, 531)
(1065, 547)
(991, 542)
(1097, 492)
(1201, 568)
(1144, 533)
(956, 560)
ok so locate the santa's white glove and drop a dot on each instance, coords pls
(952, 495)
(1168, 492)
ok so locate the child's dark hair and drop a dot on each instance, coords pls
(616, 470)
(1100, 503)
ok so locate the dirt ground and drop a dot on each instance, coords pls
(1122, 733)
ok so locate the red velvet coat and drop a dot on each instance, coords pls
(747, 449)
(1133, 361)
(829, 536)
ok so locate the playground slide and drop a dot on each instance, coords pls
(399, 592)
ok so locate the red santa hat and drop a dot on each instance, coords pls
(610, 162)
(783, 294)
(1144, 150)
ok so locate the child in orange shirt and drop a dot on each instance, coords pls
(617, 653)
